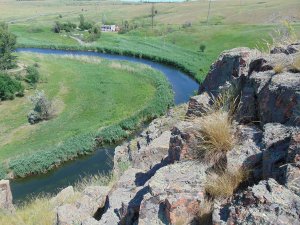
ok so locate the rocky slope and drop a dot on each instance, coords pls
(166, 180)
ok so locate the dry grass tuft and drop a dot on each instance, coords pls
(224, 184)
(35, 212)
(205, 212)
(278, 68)
(216, 136)
(95, 180)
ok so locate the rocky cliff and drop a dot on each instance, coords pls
(175, 175)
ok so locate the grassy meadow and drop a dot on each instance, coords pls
(88, 94)
(180, 28)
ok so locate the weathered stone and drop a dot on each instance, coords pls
(230, 67)
(176, 192)
(265, 203)
(68, 215)
(247, 154)
(198, 104)
(124, 200)
(6, 204)
(183, 141)
(278, 100)
(151, 155)
(90, 221)
(93, 198)
(289, 49)
(63, 196)
(276, 142)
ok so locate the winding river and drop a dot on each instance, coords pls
(101, 160)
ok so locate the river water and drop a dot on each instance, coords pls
(101, 160)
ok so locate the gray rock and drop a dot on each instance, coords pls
(183, 141)
(93, 198)
(278, 101)
(68, 215)
(199, 104)
(265, 203)
(276, 141)
(6, 198)
(176, 192)
(153, 154)
(247, 154)
(63, 196)
(289, 49)
(124, 200)
(230, 67)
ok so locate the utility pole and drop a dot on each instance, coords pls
(208, 13)
(152, 15)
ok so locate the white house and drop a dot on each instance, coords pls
(109, 28)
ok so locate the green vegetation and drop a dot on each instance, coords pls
(7, 46)
(93, 106)
(9, 87)
(32, 75)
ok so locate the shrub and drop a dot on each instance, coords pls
(93, 35)
(83, 24)
(216, 136)
(10, 87)
(202, 47)
(223, 185)
(68, 27)
(32, 75)
(43, 108)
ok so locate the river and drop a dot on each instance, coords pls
(101, 160)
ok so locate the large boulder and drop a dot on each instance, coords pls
(124, 200)
(229, 69)
(276, 140)
(264, 203)
(183, 141)
(247, 153)
(199, 104)
(92, 199)
(6, 204)
(149, 156)
(278, 101)
(63, 196)
(176, 192)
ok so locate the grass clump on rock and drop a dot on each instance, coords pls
(216, 130)
(216, 135)
(224, 184)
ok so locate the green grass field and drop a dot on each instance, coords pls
(89, 94)
(232, 23)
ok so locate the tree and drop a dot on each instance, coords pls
(7, 46)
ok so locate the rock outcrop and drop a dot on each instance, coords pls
(166, 180)
(6, 204)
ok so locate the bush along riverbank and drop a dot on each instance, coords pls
(42, 161)
(185, 63)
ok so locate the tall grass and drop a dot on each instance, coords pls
(35, 212)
